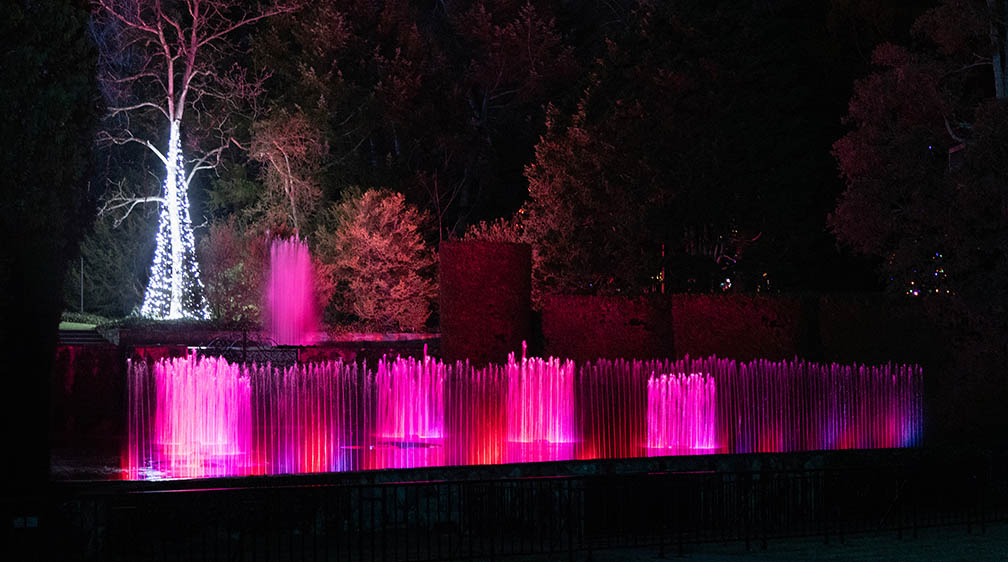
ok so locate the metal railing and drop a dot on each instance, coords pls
(564, 516)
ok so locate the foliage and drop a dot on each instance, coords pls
(924, 164)
(381, 267)
(116, 263)
(180, 326)
(707, 124)
(234, 264)
(500, 230)
(441, 103)
(289, 147)
(234, 194)
(586, 224)
(924, 167)
(49, 101)
(83, 318)
(687, 160)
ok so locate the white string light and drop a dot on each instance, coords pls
(174, 288)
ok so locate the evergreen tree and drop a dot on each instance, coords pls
(382, 269)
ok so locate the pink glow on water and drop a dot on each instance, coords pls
(195, 418)
(291, 315)
(681, 414)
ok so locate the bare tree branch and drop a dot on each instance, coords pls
(291, 148)
(117, 110)
(955, 137)
(279, 9)
(172, 57)
(134, 24)
(204, 162)
(105, 137)
(122, 204)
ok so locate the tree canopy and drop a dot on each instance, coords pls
(924, 160)
(639, 146)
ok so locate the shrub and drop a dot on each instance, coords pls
(501, 230)
(233, 264)
(382, 269)
(83, 318)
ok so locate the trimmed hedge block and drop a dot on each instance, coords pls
(585, 328)
(485, 299)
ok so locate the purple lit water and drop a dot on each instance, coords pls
(199, 417)
(291, 317)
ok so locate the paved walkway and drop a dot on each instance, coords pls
(938, 544)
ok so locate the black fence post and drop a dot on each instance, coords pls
(747, 507)
(899, 505)
(840, 520)
(982, 492)
(824, 486)
(676, 520)
(915, 500)
(570, 521)
(764, 512)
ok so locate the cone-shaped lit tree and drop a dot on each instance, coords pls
(158, 57)
(174, 288)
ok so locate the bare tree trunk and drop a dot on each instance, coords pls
(999, 45)
(172, 196)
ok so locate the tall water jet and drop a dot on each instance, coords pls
(681, 414)
(291, 310)
(540, 403)
(411, 399)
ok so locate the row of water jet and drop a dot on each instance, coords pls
(303, 415)
(767, 406)
(195, 417)
(411, 399)
(755, 406)
(188, 419)
(681, 414)
(540, 400)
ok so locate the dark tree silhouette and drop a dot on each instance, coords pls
(48, 107)
(923, 162)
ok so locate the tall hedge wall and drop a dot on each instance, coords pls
(842, 328)
(485, 299)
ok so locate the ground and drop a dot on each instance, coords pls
(947, 544)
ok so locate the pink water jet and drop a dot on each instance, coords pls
(291, 310)
(681, 414)
(202, 419)
(540, 400)
(411, 399)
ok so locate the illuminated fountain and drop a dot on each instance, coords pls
(301, 416)
(198, 417)
(540, 409)
(681, 414)
(409, 419)
(410, 399)
(202, 419)
(290, 314)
